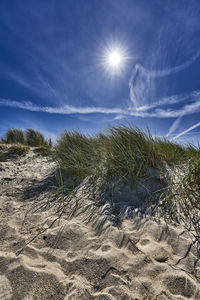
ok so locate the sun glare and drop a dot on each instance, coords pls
(114, 59)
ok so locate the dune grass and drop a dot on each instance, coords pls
(14, 136)
(126, 154)
(193, 177)
(30, 137)
(77, 154)
(19, 149)
(34, 138)
(123, 151)
(45, 150)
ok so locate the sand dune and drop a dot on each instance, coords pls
(84, 254)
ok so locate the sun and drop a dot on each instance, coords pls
(114, 59)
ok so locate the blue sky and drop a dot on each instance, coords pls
(54, 74)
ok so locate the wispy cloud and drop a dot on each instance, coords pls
(66, 109)
(151, 78)
(187, 109)
(174, 126)
(140, 84)
(167, 71)
(143, 88)
(186, 131)
(171, 100)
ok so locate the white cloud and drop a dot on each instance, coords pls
(174, 126)
(186, 131)
(167, 71)
(189, 97)
(142, 84)
(66, 109)
(188, 109)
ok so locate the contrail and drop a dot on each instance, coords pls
(170, 100)
(174, 126)
(140, 81)
(186, 131)
(65, 109)
(169, 71)
(70, 109)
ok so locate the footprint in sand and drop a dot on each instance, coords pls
(5, 288)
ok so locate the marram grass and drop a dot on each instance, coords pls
(127, 154)
(123, 151)
(30, 137)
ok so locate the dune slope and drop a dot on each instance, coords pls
(77, 252)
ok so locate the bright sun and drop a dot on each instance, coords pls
(115, 59)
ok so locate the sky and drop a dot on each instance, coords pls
(55, 72)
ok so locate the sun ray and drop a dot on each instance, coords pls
(114, 59)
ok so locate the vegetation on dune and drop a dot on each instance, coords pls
(34, 138)
(170, 152)
(124, 151)
(19, 149)
(124, 155)
(14, 136)
(181, 200)
(77, 154)
(193, 177)
(12, 151)
(43, 150)
(30, 137)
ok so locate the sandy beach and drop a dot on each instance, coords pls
(48, 251)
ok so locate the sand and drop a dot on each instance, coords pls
(84, 254)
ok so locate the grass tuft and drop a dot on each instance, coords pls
(30, 137)
(123, 152)
(76, 153)
(14, 136)
(43, 150)
(35, 138)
